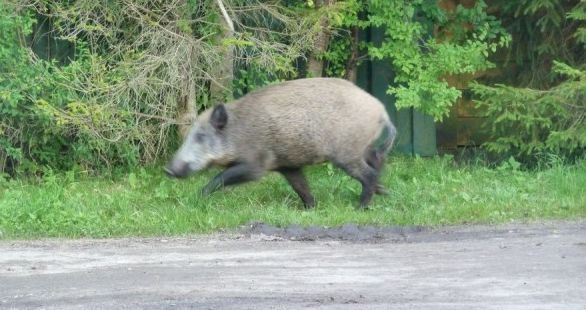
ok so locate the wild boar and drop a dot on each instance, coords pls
(285, 127)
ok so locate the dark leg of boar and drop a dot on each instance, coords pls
(235, 174)
(297, 180)
(367, 176)
(376, 161)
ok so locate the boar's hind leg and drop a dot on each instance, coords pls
(367, 175)
(376, 160)
(297, 180)
(235, 174)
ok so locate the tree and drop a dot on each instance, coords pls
(539, 106)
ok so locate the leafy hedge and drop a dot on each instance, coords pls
(44, 120)
(137, 66)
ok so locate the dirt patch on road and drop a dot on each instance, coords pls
(347, 232)
(400, 234)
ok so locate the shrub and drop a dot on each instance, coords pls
(526, 122)
(44, 121)
(540, 105)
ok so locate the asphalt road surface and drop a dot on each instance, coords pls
(535, 266)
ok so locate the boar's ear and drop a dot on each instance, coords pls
(219, 117)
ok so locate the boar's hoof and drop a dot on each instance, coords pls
(381, 190)
(364, 207)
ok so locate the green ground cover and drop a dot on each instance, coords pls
(433, 191)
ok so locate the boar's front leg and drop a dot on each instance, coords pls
(297, 180)
(236, 174)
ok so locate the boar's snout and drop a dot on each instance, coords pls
(177, 169)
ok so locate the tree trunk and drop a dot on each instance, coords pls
(351, 65)
(221, 86)
(315, 67)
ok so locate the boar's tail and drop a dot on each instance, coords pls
(389, 134)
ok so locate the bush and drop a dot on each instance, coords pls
(45, 121)
(140, 67)
(526, 122)
(540, 105)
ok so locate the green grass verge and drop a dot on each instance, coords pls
(423, 192)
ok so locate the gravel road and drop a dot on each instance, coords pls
(516, 266)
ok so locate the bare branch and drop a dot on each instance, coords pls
(226, 16)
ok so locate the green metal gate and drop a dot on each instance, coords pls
(416, 131)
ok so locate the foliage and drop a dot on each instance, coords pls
(43, 119)
(137, 66)
(579, 14)
(342, 52)
(434, 191)
(527, 121)
(543, 31)
(542, 106)
(419, 69)
(421, 61)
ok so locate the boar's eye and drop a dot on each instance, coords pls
(199, 137)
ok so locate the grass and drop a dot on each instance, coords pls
(433, 191)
